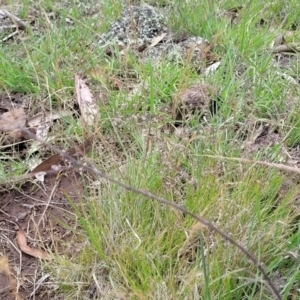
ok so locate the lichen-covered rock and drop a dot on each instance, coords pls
(137, 29)
(137, 26)
(190, 50)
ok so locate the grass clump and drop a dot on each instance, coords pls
(131, 247)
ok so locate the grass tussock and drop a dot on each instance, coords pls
(129, 247)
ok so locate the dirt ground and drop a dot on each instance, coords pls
(40, 210)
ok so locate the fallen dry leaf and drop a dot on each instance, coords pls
(279, 45)
(11, 120)
(278, 40)
(41, 118)
(285, 49)
(52, 163)
(212, 68)
(232, 14)
(40, 176)
(86, 102)
(42, 131)
(22, 242)
(42, 123)
(157, 39)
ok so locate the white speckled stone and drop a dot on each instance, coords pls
(136, 27)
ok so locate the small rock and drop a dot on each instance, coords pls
(198, 98)
(137, 26)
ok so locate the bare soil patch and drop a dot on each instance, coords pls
(41, 210)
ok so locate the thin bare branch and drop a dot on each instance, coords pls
(17, 21)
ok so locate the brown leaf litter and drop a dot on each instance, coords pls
(41, 210)
(86, 102)
(58, 160)
(232, 14)
(11, 120)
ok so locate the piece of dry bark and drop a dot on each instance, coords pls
(86, 101)
(57, 160)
